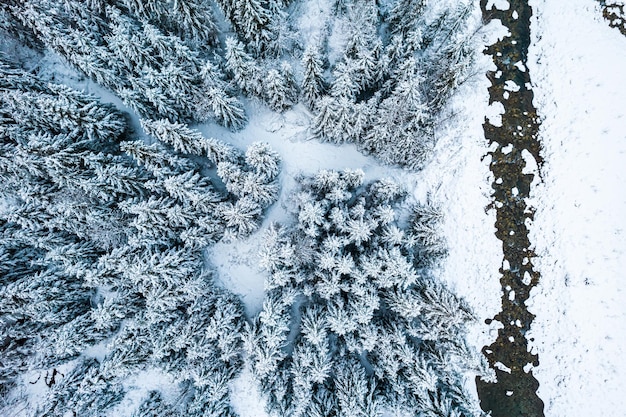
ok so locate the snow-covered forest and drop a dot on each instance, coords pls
(251, 208)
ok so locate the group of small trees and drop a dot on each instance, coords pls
(276, 86)
(101, 240)
(387, 90)
(351, 324)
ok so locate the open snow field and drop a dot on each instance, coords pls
(577, 64)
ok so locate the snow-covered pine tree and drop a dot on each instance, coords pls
(406, 15)
(191, 20)
(154, 405)
(244, 69)
(285, 38)
(226, 109)
(388, 91)
(358, 344)
(188, 207)
(293, 90)
(340, 120)
(83, 391)
(399, 132)
(252, 21)
(277, 94)
(247, 184)
(313, 85)
(11, 26)
(451, 58)
(263, 160)
(65, 184)
(188, 141)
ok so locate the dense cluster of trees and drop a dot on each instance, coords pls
(152, 54)
(352, 324)
(399, 65)
(101, 240)
(388, 88)
(102, 229)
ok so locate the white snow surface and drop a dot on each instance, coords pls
(577, 64)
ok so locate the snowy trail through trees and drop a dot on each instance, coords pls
(514, 394)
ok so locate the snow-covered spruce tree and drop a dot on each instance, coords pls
(153, 405)
(352, 323)
(313, 85)
(189, 141)
(278, 91)
(61, 183)
(250, 179)
(406, 15)
(244, 69)
(10, 26)
(252, 23)
(254, 185)
(399, 129)
(276, 86)
(82, 391)
(226, 108)
(344, 114)
(251, 20)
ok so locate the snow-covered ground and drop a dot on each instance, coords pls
(577, 64)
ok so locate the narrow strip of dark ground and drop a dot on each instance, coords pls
(515, 392)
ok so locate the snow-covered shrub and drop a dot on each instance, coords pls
(351, 324)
